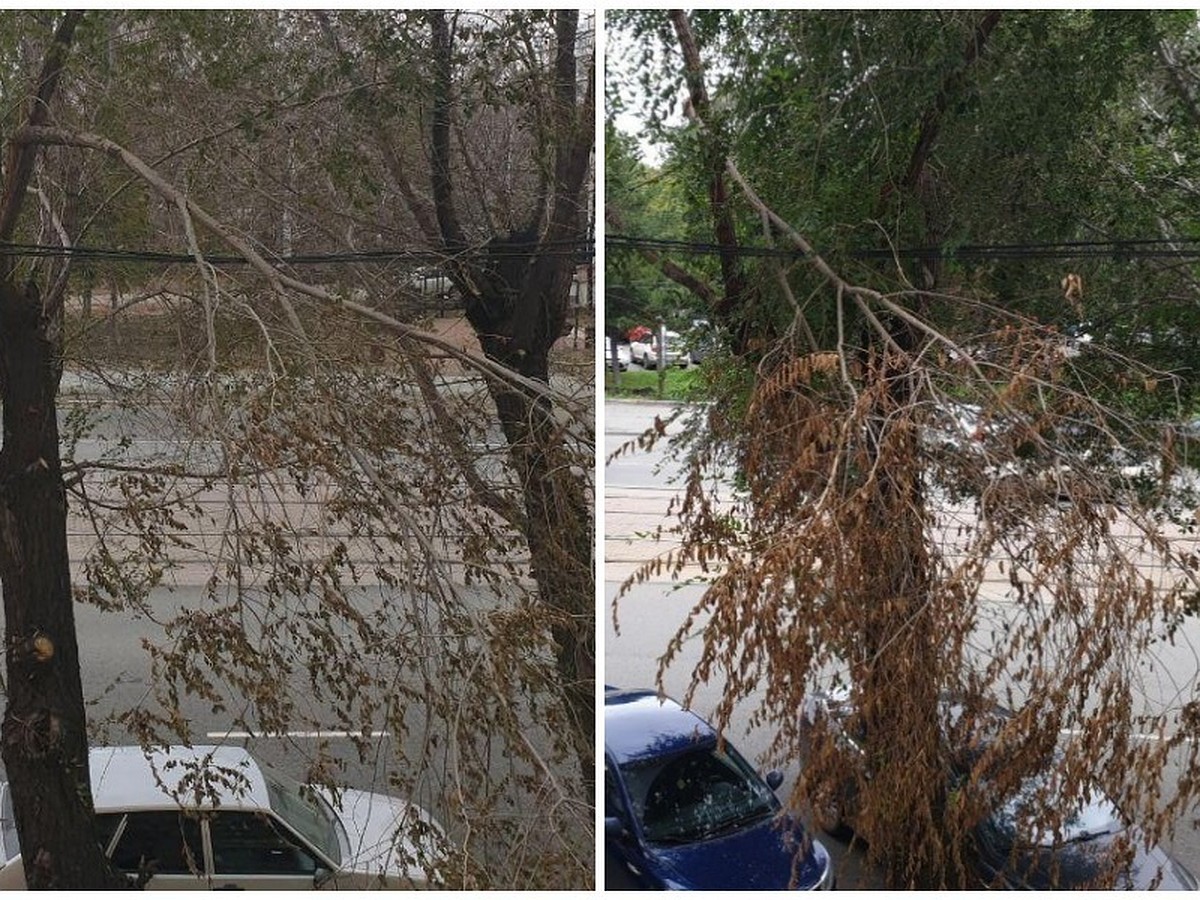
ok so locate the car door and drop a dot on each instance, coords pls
(254, 851)
(623, 859)
(166, 844)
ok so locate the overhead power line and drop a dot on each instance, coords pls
(575, 249)
(1120, 250)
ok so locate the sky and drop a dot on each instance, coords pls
(619, 67)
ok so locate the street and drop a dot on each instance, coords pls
(117, 672)
(637, 495)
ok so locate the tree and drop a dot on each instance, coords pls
(919, 424)
(642, 201)
(44, 734)
(518, 309)
(365, 561)
(506, 245)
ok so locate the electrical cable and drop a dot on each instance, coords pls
(525, 250)
(1120, 250)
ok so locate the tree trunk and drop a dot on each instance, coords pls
(44, 733)
(515, 297)
(558, 526)
(898, 666)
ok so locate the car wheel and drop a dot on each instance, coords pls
(828, 816)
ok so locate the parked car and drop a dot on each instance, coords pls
(683, 811)
(1004, 852)
(624, 356)
(250, 827)
(649, 352)
(430, 281)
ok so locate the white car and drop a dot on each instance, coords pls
(243, 825)
(624, 356)
(431, 281)
(648, 354)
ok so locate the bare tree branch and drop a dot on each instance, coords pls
(277, 279)
(18, 165)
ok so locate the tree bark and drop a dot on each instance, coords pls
(44, 734)
(43, 739)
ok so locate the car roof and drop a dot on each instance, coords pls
(129, 778)
(639, 726)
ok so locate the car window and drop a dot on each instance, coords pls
(245, 843)
(166, 842)
(305, 811)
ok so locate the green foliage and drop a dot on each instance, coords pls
(1060, 132)
(650, 203)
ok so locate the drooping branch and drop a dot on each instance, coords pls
(481, 492)
(278, 280)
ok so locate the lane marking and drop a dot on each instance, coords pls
(314, 735)
(1076, 732)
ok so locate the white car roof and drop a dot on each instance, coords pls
(129, 778)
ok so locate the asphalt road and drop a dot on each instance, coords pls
(639, 488)
(116, 668)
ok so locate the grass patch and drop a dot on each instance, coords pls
(679, 384)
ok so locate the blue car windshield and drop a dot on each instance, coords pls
(698, 794)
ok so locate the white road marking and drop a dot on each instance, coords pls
(1075, 732)
(315, 735)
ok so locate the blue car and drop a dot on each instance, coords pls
(682, 813)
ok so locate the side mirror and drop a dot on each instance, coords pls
(615, 829)
(322, 877)
(774, 779)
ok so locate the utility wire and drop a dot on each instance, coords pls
(1120, 250)
(575, 249)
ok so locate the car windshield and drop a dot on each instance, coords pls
(305, 811)
(696, 795)
(1093, 815)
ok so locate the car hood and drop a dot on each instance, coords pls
(756, 858)
(392, 841)
(1079, 863)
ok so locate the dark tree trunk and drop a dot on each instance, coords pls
(515, 297)
(44, 733)
(558, 514)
